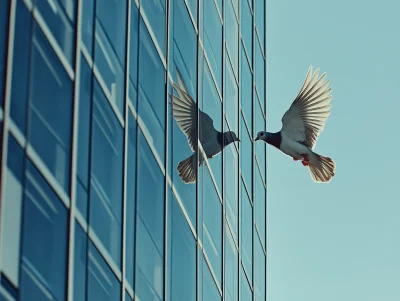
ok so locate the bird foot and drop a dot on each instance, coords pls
(209, 157)
(306, 160)
(305, 163)
(295, 159)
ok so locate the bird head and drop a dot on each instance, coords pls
(261, 136)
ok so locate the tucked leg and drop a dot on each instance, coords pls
(295, 159)
(306, 160)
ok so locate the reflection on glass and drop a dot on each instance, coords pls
(20, 74)
(246, 234)
(231, 268)
(182, 257)
(102, 283)
(213, 39)
(50, 110)
(152, 102)
(44, 241)
(80, 263)
(106, 164)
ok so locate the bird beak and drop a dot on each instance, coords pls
(257, 138)
(238, 140)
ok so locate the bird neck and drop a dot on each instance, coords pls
(274, 139)
(224, 138)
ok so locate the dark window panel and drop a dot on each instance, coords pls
(155, 13)
(134, 53)
(107, 161)
(44, 241)
(80, 263)
(4, 17)
(87, 23)
(51, 97)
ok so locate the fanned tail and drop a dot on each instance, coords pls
(187, 169)
(322, 169)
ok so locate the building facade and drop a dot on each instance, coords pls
(92, 206)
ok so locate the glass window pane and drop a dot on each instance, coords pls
(87, 25)
(259, 203)
(51, 121)
(111, 47)
(231, 268)
(213, 39)
(60, 19)
(246, 234)
(231, 98)
(107, 162)
(44, 242)
(150, 226)
(155, 13)
(21, 62)
(232, 35)
(245, 291)
(231, 187)
(212, 226)
(246, 28)
(131, 200)
(246, 88)
(210, 290)
(260, 20)
(182, 256)
(102, 283)
(127, 297)
(4, 12)
(80, 264)
(246, 155)
(260, 72)
(260, 148)
(193, 9)
(259, 266)
(152, 91)
(133, 55)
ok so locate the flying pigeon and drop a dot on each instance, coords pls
(302, 124)
(212, 141)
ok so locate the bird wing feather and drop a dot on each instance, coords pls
(307, 115)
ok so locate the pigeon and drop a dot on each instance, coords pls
(302, 124)
(184, 110)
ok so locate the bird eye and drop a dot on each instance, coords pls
(261, 134)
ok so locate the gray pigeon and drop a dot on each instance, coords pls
(212, 141)
(302, 124)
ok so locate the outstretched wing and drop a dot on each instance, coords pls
(306, 117)
(185, 113)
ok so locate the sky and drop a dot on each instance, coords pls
(341, 240)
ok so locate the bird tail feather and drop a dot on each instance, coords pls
(322, 169)
(187, 169)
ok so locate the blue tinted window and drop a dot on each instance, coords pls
(51, 121)
(150, 226)
(80, 264)
(87, 24)
(259, 203)
(3, 44)
(231, 268)
(246, 88)
(231, 98)
(131, 200)
(232, 35)
(152, 91)
(231, 187)
(110, 47)
(260, 20)
(127, 297)
(107, 161)
(133, 55)
(213, 39)
(60, 19)
(246, 154)
(212, 226)
(102, 283)
(259, 267)
(193, 9)
(259, 71)
(260, 148)
(245, 291)
(155, 13)
(182, 256)
(210, 290)
(184, 46)
(246, 234)
(212, 106)
(20, 75)
(44, 241)
(246, 28)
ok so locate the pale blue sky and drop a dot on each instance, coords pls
(336, 241)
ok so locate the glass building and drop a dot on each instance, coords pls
(92, 206)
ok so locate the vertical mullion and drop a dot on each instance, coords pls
(6, 110)
(166, 145)
(125, 167)
(223, 257)
(71, 232)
